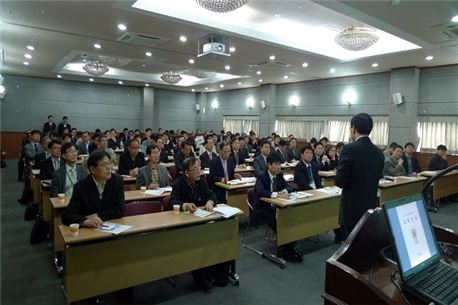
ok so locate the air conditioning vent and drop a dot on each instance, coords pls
(142, 39)
(268, 64)
(448, 31)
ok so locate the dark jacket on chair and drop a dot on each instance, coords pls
(85, 200)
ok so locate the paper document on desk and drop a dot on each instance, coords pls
(113, 228)
(330, 190)
(288, 177)
(166, 189)
(157, 192)
(47, 182)
(202, 213)
(429, 173)
(299, 195)
(242, 181)
(384, 181)
(409, 177)
(227, 211)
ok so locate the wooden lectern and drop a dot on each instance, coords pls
(359, 273)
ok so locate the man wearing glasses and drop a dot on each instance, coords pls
(97, 198)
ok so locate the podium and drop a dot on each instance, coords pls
(361, 269)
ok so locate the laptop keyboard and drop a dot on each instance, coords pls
(442, 283)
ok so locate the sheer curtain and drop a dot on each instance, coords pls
(379, 134)
(241, 124)
(300, 129)
(432, 134)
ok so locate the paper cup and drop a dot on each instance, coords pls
(176, 209)
(74, 229)
(61, 197)
(143, 189)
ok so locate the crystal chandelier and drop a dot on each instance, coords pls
(221, 6)
(171, 77)
(96, 68)
(356, 39)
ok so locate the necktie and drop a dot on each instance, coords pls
(56, 164)
(236, 157)
(309, 168)
(274, 185)
(209, 155)
(36, 147)
(226, 175)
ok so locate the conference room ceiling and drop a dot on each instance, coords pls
(63, 34)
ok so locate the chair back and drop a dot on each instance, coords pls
(251, 197)
(165, 204)
(142, 207)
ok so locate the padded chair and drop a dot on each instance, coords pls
(142, 207)
(172, 171)
(166, 205)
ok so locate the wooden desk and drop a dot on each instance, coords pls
(306, 217)
(243, 169)
(288, 168)
(237, 196)
(328, 177)
(401, 187)
(59, 206)
(129, 182)
(46, 207)
(157, 246)
(35, 184)
(444, 186)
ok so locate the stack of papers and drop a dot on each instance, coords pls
(429, 173)
(157, 192)
(202, 213)
(242, 181)
(166, 189)
(113, 228)
(330, 190)
(226, 211)
(299, 195)
(384, 181)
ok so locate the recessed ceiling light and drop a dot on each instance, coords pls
(227, 67)
(429, 57)
(28, 56)
(333, 70)
(260, 80)
(285, 77)
(305, 64)
(143, 65)
(30, 47)
(146, 85)
(455, 18)
(272, 57)
(221, 86)
(206, 88)
(374, 65)
(183, 38)
(277, 15)
(120, 82)
(191, 61)
(258, 72)
(26, 63)
(239, 83)
(232, 49)
(91, 79)
(149, 54)
(97, 46)
(59, 76)
(193, 90)
(122, 27)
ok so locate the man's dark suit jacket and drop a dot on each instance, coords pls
(179, 159)
(217, 173)
(59, 178)
(259, 164)
(85, 200)
(205, 159)
(40, 158)
(47, 127)
(126, 164)
(183, 192)
(47, 168)
(360, 168)
(61, 127)
(437, 163)
(302, 177)
(163, 156)
(293, 154)
(241, 159)
(264, 213)
(82, 149)
(415, 165)
(317, 162)
(112, 144)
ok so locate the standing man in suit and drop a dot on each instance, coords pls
(97, 198)
(305, 174)
(65, 178)
(260, 162)
(131, 160)
(54, 162)
(190, 192)
(207, 155)
(271, 183)
(358, 173)
(411, 165)
(49, 126)
(153, 175)
(439, 160)
(222, 169)
(185, 152)
(394, 164)
(64, 125)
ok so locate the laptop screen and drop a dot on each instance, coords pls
(411, 234)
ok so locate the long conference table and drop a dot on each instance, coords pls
(157, 246)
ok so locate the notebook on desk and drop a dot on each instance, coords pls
(422, 271)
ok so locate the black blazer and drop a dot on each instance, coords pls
(317, 162)
(263, 212)
(232, 156)
(59, 178)
(183, 192)
(85, 200)
(205, 159)
(259, 164)
(82, 149)
(126, 164)
(360, 168)
(437, 163)
(179, 159)
(60, 130)
(415, 165)
(302, 177)
(217, 173)
(47, 127)
(163, 156)
(47, 168)
(112, 144)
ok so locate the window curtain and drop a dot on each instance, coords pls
(241, 125)
(432, 134)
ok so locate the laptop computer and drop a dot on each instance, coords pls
(422, 271)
